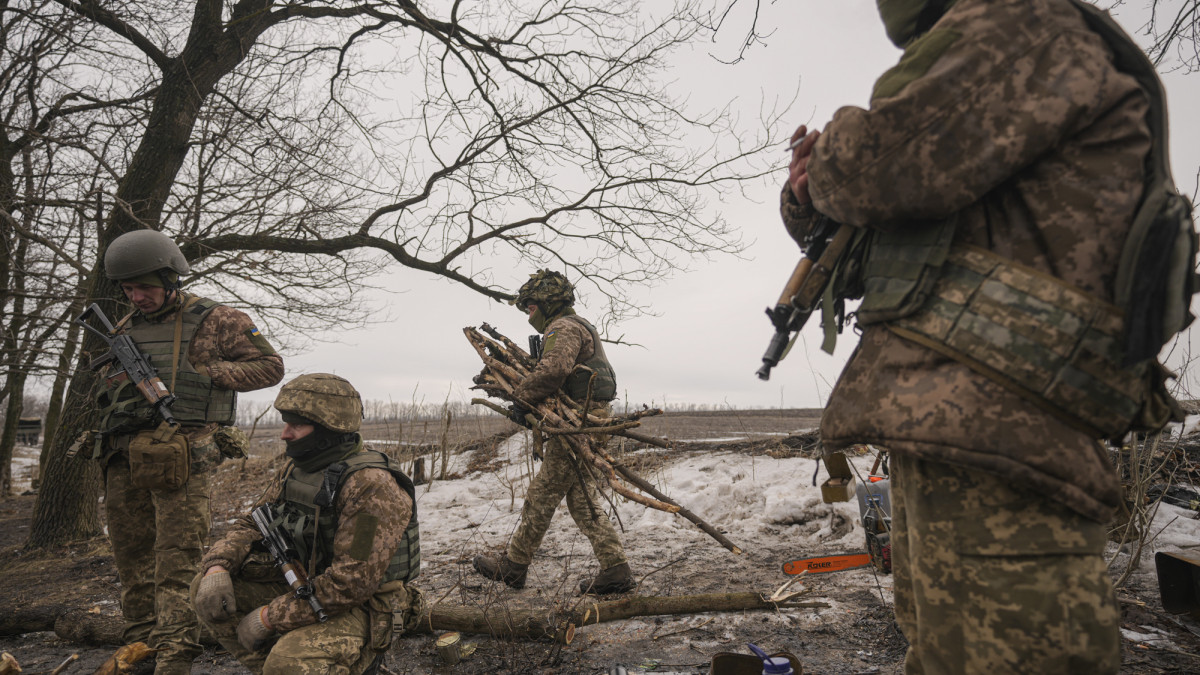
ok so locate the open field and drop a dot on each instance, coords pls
(748, 473)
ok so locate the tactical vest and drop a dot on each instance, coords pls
(310, 496)
(1089, 362)
(605, 386)
(197, 399)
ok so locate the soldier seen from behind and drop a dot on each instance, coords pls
(994, 182)
(350, 513)
(572, 357)
(156, 474)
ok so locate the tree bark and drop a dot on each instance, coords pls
(62, 376)
(8, 437)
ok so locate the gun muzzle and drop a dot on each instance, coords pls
(774, 353)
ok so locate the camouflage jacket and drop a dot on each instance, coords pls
(235, 353)
(568, 344)
(348, 582)
(1022, 128)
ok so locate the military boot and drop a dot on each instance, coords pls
(616, 579)
(501, 569)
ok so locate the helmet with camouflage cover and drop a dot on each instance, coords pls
(545, 287)
(326, 399)
(141, 252)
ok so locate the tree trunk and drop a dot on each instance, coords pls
(67, 505)
(8, 437)
(61, 377)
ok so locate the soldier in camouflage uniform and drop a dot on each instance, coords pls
(1008, 120)
(362, 550)
(204, 352)
(572, 352)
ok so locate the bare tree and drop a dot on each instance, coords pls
(295, 148)
(1173, 30)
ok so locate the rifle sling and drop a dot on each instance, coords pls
(175, 348)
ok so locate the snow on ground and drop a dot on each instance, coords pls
(768, 507)
(760, 503)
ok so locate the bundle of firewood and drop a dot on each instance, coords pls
(505, 365)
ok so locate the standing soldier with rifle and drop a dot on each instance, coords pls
(572, 358)
(1026, 257)
(166, 409)
(318, 578)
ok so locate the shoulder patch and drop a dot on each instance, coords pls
(548, 343)
(365, 526)
(256, 338)
(918, 58)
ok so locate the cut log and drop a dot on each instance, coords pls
(502, 622)
(85, 628)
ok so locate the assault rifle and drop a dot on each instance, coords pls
(281, 547)
(801, 295)
(132, 363)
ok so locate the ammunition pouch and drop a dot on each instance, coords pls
(1051, 343)
(232, 442)
(159, 459)
(391, 611)
(260, 567)
(212, 447)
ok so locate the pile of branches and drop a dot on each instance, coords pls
(505, 365)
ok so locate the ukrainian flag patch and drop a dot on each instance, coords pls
(256, 338)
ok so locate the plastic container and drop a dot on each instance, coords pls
(772, 665)
(874, 496)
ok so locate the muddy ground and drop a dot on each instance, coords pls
(854, 634)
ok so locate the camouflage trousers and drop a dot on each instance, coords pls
(337, 647)
(992, 579)
(157, 538)
(559, 477)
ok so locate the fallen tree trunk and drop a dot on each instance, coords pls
(504, 622)
(497, 620)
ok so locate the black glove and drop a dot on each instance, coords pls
(517, 413)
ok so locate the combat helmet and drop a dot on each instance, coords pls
(545, 287)
(326, 399)
(141, 252)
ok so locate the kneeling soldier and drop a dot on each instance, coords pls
(352, 517)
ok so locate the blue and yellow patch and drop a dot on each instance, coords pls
(548, 344)
(256, 338)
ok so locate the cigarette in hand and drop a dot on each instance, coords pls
(800, 140)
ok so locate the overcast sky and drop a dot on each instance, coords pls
(707, 338)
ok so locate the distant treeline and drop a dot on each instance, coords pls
(375, 410)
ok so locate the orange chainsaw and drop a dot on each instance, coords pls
(828, 563)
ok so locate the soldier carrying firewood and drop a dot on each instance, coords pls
(572, 360)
